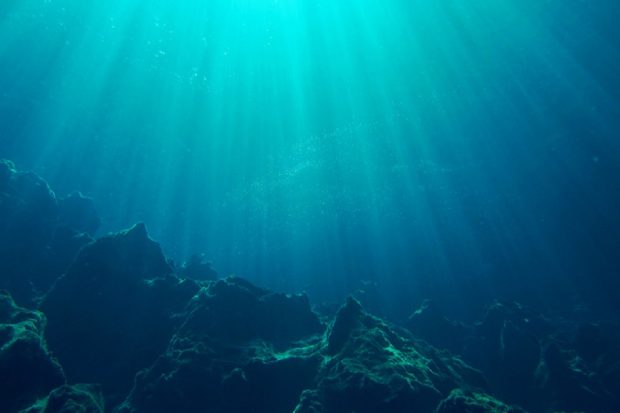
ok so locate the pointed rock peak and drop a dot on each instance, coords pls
(347, 320)
(352, 307)
(129, 254)
(137, 231)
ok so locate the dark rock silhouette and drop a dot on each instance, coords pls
(370, 366)
(28, 214)
(570, 385)
(112, 313)
(530, 360)
(235, 311)
(39, 235)
(239, 348)
(27, 370)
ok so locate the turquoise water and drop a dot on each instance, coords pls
(434, 147)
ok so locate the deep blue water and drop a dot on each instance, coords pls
(439, 149)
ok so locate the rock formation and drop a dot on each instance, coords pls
(113, 314)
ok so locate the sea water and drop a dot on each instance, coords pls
(463, 151)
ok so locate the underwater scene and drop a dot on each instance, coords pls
(309, 206)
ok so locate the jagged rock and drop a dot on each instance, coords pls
(239, 349)
(370, 367)
(187, 379)
(78, 398)
(506, 346)
(27, 206)
(27, 370)
(487, 339)
(361, 365)
(349, 318)
(36, 243)
(112, 313)
(235, 311)
(472, 402)
(118, 316)
(570, 385)
(28, 214)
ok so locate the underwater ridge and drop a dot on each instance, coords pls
(109, 324)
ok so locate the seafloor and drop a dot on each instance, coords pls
(110, 325)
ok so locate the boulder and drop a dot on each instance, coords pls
(113, 312)
(371, 366)
(239, 348)
(233, 310)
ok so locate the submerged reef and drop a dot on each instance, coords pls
(108, 325)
